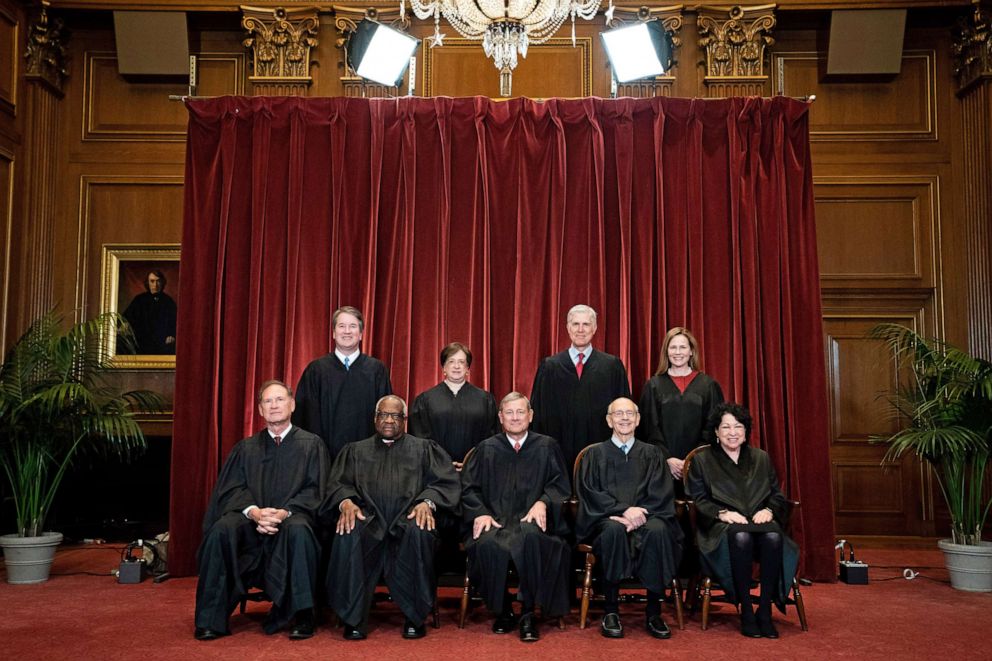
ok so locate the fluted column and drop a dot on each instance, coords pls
(973, 69)
(734, 40)
(280, 41)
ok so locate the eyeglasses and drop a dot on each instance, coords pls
(624, 414)
(386, 415)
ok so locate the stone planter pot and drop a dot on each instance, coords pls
(970, 567)
(29, 559)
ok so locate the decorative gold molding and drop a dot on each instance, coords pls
(734, 40)
(346, 20)
(8, 88)
(671, 19)
(972, 47)
(280, 40)
(46, 53)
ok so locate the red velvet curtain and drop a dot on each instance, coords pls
(480, 221)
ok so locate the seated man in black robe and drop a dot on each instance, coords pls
(627, 512)
(513, 488)
(337, 392)
(386, 490)
(258, 529)
(152, 317)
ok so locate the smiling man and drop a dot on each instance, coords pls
(387, 490)
(573, 388)
(258, 529)
(337, 393)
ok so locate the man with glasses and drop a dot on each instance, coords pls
(513, 488)
(627, 513)
(385, 491)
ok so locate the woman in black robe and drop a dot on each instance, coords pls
(454, 413)
(741, 516)
(677, 402)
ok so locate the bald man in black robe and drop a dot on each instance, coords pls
(387, 489)
(513, 488)
(627, 513)
(258, 528)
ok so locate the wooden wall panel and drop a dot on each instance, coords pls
(877, 231)
(10, 43)
(903, 109)
(119, 110)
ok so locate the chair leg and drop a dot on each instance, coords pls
(707, 585)
(463, 611)
(800, 606)
(692, 593)
(436, 615)
(677, 594)
(561, 623)
(242, 605)
(586, 590)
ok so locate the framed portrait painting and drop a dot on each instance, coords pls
(141, 283)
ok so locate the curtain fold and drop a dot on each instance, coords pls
(483, 222)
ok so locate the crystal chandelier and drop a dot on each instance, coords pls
(505, 27)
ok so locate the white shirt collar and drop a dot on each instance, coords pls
(574, 354)
(521, 441)
(351, 357)
(617, 442)
(284, 434)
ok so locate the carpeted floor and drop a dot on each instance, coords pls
(79, 616)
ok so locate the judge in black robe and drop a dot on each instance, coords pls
(152, 317)
(571, 409)
(386, 489)
(512, 506)
(258, 528)
(627, 512)
(335, 400)
(741, 516)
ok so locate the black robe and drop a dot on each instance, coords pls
(386, 482)
(505, 484)
(153, 319)
(457, 422)
(234, 556)
(573, 410)
(675, 421)
(716, 483)
(338, 404)
(608, 483)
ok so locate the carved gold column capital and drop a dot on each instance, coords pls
(280, 41)
(972, 47)
(671, 19)
(46, 55)
(346, 20)
(734, 40)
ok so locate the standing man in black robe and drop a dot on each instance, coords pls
(386, 491)
(627, 512)
(513, 488)
(258, 529)
(572, 389)
(337, 393)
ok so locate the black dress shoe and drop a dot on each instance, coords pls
(611, 627)
(505, 623)
(202, 633)
(767, 628)
(412, 631)
(353, 633)
(657, 627)
(749, 628)
(528, 629)
(304, 626)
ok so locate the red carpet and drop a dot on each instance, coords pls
(92, 617)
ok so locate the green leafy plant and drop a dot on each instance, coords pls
(945, 407)
(55, 403)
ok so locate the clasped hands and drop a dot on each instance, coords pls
(267, 519)
(761, 516)
(632, 518)
(350, 512)
(538, 515)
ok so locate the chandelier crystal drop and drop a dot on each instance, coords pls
(505, 27)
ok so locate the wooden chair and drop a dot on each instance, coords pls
(585, 550)
(705, 582)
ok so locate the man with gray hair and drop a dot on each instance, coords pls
(573, 389)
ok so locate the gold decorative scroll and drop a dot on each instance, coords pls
(734, 40)
(280, 41)
(346, 20)
(972, 48)
(671, 19)
(46, 53)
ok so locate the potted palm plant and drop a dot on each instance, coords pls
(946, 407)
(54, 404)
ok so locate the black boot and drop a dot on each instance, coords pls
(765, 625)
(749, 624)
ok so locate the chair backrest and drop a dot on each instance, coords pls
(468, 455)
(688, 462)
(575, 470)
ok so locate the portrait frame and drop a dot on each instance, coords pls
(125, 267)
